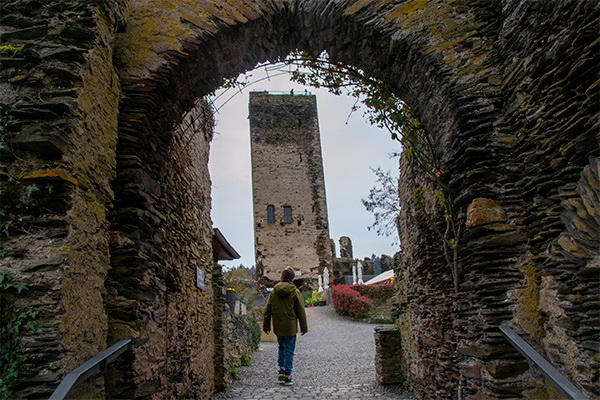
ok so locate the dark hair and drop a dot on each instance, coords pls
(288, 273)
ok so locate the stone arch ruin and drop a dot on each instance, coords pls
(102, 111)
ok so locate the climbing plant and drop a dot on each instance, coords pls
(10, 48)
(386, 110)
(13, 325)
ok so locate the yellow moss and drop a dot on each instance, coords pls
(495, 80)
(450, 44)
(120, 331)
(11, 48)
(151, 33)
(408, 7)
(54, 173)
(526, 312)
(15, 80)
(360, 4)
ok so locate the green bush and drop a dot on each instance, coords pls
(306, 295)
(312, 301)
(245, 360)
(254, 333)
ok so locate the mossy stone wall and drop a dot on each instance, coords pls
(93, 107)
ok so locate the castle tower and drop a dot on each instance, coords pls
(290, 209)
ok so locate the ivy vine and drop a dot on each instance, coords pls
(13, 325)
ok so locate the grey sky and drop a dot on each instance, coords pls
(348, 152)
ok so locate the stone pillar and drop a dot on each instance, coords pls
(221, 332)
(390, 365)
(345, 247)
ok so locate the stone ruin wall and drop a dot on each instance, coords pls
(534, 268)
(62, 91)
(160, 233)
(342, 265)
(119, 229)
(287, 170)
(508, 89)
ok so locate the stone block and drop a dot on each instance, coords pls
(475, 350)
(24, 34)
(41, 139)
(13, 62)
(502, 371)
(484, 211)
(472, 370)
(389, 361)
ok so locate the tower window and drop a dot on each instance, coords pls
(270, 214)
(287, 214)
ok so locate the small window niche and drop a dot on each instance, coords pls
(287, 214)
(270, 214)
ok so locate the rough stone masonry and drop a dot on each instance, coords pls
(106, 194)
(288, 183)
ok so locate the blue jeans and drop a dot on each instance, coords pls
(287, 344)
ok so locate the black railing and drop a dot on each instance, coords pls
(91, 370)
(537, 362)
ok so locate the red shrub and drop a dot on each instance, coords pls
(377, 293)
(349, 302)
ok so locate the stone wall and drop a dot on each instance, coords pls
(287, 170)
(91, 108)
(160, 235)
(524, 147)
(59, 100)
(244, 338)
(221, 337)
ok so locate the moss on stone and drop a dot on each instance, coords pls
(528, 297)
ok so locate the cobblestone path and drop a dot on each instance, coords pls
(334, 360)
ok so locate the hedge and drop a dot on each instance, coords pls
(377, 293)
(349, 302)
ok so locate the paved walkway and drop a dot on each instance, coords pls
(334, 360)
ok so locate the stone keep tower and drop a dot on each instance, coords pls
(290, 209)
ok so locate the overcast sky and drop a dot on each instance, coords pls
(348, 152)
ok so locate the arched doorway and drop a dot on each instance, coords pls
(515, 124)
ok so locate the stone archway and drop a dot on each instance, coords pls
(514, 114)
(174, 77)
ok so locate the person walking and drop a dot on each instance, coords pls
(286, 307)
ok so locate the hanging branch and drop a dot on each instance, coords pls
(387, 111)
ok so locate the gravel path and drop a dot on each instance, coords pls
(334, 360)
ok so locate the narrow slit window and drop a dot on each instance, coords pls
(287, 214)
(270, 214)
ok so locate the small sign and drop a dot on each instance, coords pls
(199, 278)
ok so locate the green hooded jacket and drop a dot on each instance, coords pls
(286, 307)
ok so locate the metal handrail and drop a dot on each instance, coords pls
(538, 362)
(89, 369)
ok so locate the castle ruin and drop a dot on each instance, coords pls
(94, 109)
(290, 208)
